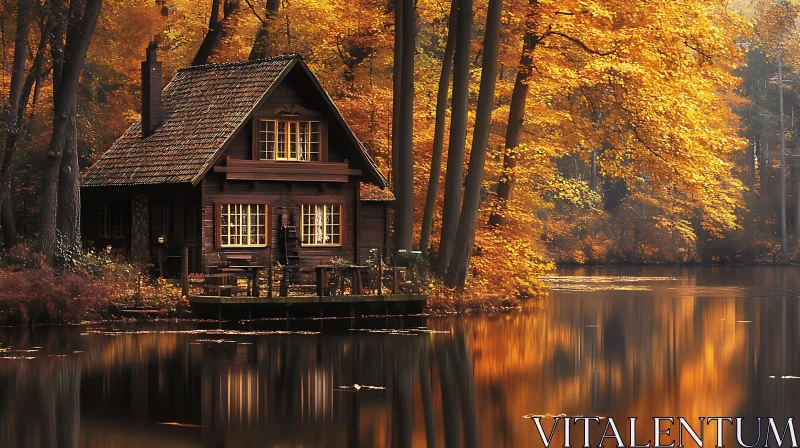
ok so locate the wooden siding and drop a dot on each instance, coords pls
(286, 196)
(372, 229)
(280, 198)
(173, 211)
(186, 214)
(237, 169)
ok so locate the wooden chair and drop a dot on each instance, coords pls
(234, 260)
(224, 285)
(401, 280)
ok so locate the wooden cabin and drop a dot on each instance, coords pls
(237, 158)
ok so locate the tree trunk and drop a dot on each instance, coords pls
(404, 215)
(12, 117)
(18, 65)
(216, 28)
(7, 219)
(797, 200)
(749, 224)
(83, 18)
(60, 18)
(34, 76)
(454, 175)
(784, 239)
(68, 218)
(404, 391)
(451, 400)
(438, 133)
(427, 399)
(263, 46)
(797, 184)
(465, 235)
(397, 82)
(464, 374)
(762, 151)
(516, 115)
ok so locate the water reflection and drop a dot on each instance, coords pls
(686, 342)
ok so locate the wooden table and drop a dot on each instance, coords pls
(324, 278)
(352, 271)
(251, 267)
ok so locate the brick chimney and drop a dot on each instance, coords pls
(152, 112)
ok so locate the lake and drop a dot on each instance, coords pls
(613, 342)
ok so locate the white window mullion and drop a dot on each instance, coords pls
(243, 225)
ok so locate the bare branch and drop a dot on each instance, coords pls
(702, 53)
(578, 42)
(255, 13)
(644, 143)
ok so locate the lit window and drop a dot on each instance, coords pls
(322, 225)
(243, 225)
(289, 140)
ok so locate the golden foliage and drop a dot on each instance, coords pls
(645, 89)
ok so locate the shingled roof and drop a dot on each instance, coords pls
(204, 107)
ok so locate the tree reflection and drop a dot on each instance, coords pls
(705, 344)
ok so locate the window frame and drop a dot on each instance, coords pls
(104, 216)
(117, 222)
(112, 221)
(296, 119)
(249, 204)
(342, 224)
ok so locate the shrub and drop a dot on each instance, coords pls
(84, 285)
(24, 256)
(38, 295)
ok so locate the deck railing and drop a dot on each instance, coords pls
(399, 276)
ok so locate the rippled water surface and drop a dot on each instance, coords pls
(615, 343)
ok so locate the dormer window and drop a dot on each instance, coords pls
(289, 140)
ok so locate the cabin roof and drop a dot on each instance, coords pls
(204, 107)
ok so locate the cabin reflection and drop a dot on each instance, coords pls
(685, 348)
(159, 390)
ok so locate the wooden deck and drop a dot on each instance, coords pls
(307, 306)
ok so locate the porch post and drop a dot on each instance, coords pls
(185, 270)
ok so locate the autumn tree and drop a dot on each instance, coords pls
(13, 115)
(438, 133)
(397, 83)
(516, 117)
(775, 34)
(263, 45)
(80, 26)
(458, 134)
(404, 211)
(465, 234)
(216, 28)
